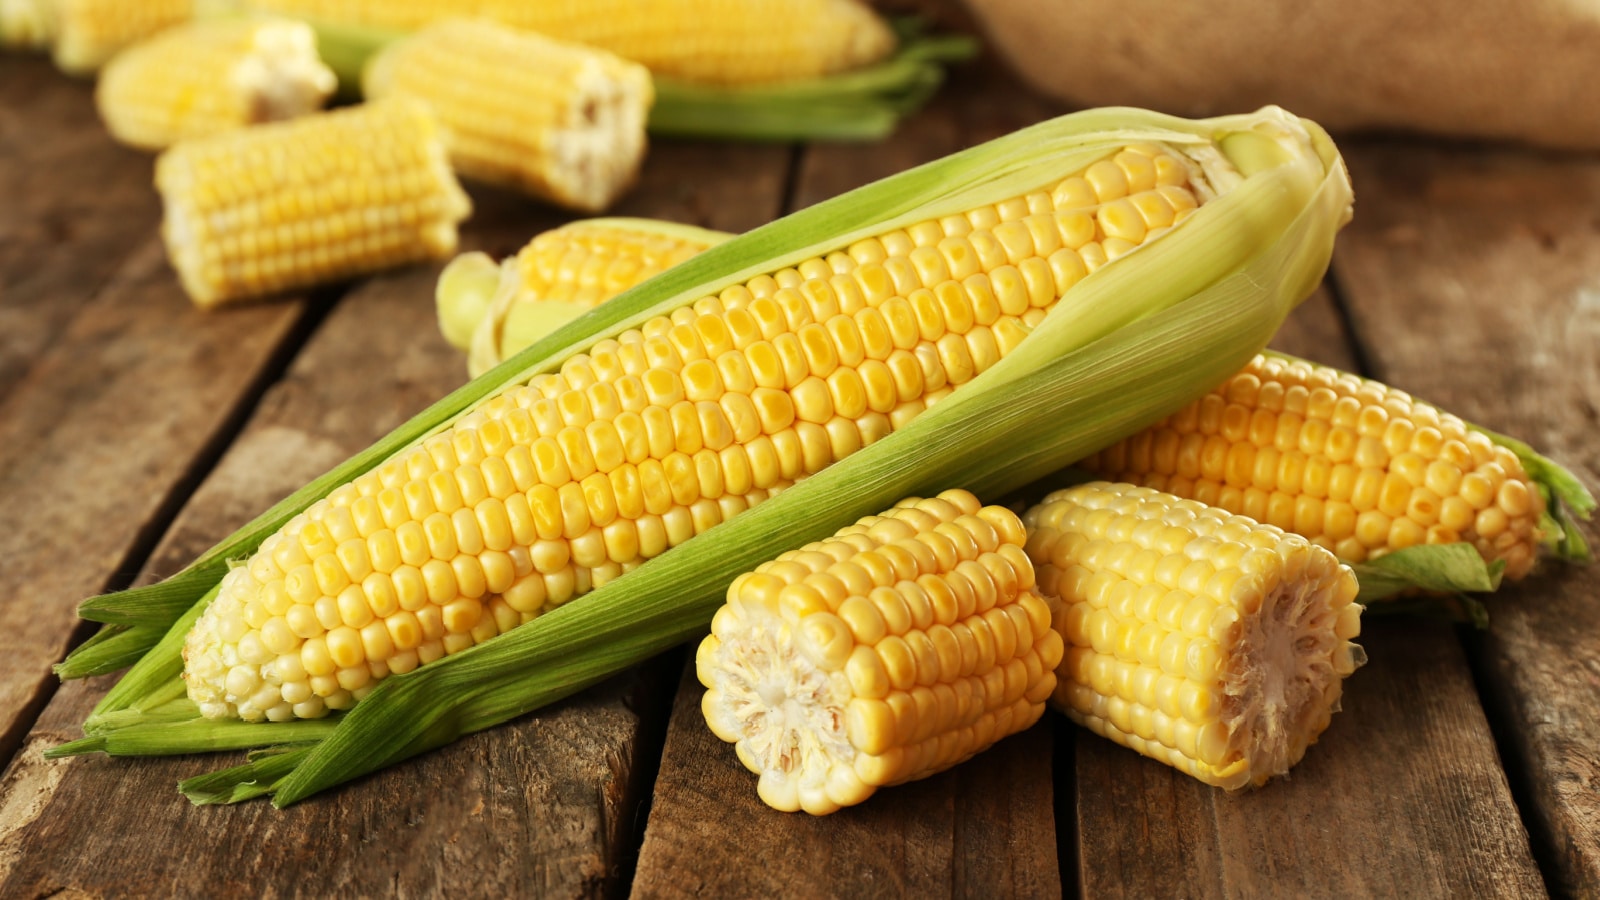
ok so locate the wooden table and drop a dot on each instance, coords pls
(136, 431)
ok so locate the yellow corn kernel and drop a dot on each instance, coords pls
(1231, 670)
(562, 121)
(293, 204)
(87, 33)
(210, 76)
(1373, 456)
(846, 684)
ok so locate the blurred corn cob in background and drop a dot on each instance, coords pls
(1199, 638)
(495, 309)
(1354, 465)
(560, 121)
(899, 647)
(27, 24)
(723, 42)
(294, 204)
(204, 77)
(87, 33)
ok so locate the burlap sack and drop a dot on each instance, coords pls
(1526, 70)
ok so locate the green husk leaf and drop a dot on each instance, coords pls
(1205, 298)
(1440, 568)
(256, 778)
(108, 650)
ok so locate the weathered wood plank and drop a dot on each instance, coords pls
(916, 840)
(1475, 280)
(1407, 772)
(73, 207)
(543, 807)
(98, 443)
(982, 829)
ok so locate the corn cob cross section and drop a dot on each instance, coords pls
(566, 482)
(209, 76)
(1194, 636)
(1358, 467)
(88, 33)
(894, 650)
(562, 121)
(724, 42)
(294, 204)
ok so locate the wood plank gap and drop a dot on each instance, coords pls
(1355, 346)
(1064, 769)
(1498, 701)
(789, 198)
(652, 703)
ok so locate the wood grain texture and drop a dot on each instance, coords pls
(98, 445)
(543, 807)
(73, 207)
(982, 829)
(1474, 280)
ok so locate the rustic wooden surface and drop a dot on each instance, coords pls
(134, 432)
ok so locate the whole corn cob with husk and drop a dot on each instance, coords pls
(294, 204)
(209, 76)
(88, 33)
(1354, 465)
(724, 42)
(968, 322)
(26, 24)
(561, 121)
(494, 310)
(646, 441)
(1199, 638)
(899, 647)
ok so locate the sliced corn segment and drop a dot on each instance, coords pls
(727, 42)
(557, 277)
(27, 24)
(209, 76)
(294, 204)
(899, 647)
(566, 482)
(561, 121)
(89, 32)
(1358, 467)
(1199, 638)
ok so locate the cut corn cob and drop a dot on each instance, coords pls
(650, 439)
(1199, 638)
(561, 121)
(497, 310)
(294, 204)
(204, 77)
(1358, 467)
(726, 42)
(899, 647)
(28, 24)
(89, 32)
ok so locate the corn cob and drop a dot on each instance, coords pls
(497, 310)
(1199, 638)
(89, 32)
(26, 24)
(648, 440)
(726, 42)
(893, 650)
(1356, 466)
(204, 77)
(561, 121)
(294, 204)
